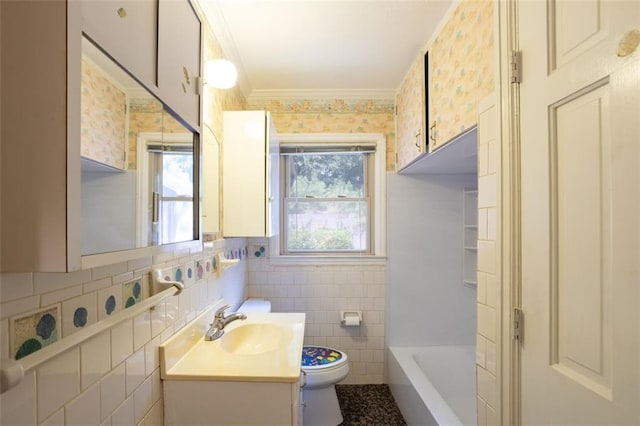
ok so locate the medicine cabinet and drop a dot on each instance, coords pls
(101, 157)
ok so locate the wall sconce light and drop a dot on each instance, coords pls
(220, 74)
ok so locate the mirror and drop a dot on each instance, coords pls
(138, 163)
(210, 185)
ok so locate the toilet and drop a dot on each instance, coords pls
(322, 368)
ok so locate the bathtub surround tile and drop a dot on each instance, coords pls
(486, 385)
(492, 358)
(58, 382)
(85, 409)
(34, 331)
(16, 286)
(18, 405)
(492, 417)
(486, 324)
(95, 359)
(481, 412)
(78, 313)
(113, 390)
(487, 191)
(481, 288)
(487, 256)
(492, 290)
(156, 386)
(481, 351)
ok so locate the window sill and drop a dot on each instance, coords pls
(290, 260)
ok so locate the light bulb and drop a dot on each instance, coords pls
(220, 73)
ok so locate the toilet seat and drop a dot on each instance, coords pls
(323, 366)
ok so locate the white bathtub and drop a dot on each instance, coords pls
(434, 385)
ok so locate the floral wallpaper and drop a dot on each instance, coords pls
(102, 118)
(461, 68)
(216, 101)
(411, 114)
(147, 115)
(334, 116)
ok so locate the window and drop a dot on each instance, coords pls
(166, 186)
(332, 195)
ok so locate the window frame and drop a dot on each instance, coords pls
(377, 193)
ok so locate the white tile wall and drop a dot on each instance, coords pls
(488, 303)
(321, 292)
(113, 378)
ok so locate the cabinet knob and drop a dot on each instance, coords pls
(122, 12)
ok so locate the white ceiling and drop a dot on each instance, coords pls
(323, 46)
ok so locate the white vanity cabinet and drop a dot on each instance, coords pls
(231, 402)
(250, 174)
(179, 41)
(128, 31)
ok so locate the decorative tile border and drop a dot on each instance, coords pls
(34, 331)
(324, 105)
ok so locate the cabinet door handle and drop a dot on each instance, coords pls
(432, 132)
(122, 12)
(417, 137)
(304, 378)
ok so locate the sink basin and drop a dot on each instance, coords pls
(265, 347)
(255, 339)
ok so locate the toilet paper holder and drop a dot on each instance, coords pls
(350, 318)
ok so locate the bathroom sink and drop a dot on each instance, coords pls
(265, 347)
(255, 339)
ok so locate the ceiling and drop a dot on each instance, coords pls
(357, 47)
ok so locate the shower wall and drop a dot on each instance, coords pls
(427, 302)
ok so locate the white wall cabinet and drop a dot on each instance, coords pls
(179, 41)
(128, 31)
(250, 175)
(41, 161)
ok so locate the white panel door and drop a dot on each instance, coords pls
(580, 193)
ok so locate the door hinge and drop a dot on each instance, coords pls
(516, 66)
(518, 325)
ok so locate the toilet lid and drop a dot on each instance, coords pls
(316, 357)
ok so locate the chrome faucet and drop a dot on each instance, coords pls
(216, 329)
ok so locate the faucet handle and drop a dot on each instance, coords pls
(220, 311)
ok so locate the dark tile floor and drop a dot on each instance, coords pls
(370, 405)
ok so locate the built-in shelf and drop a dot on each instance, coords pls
(470, 232)
(460, 156)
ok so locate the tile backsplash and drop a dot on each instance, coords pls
(321, 292)
(113, 377)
